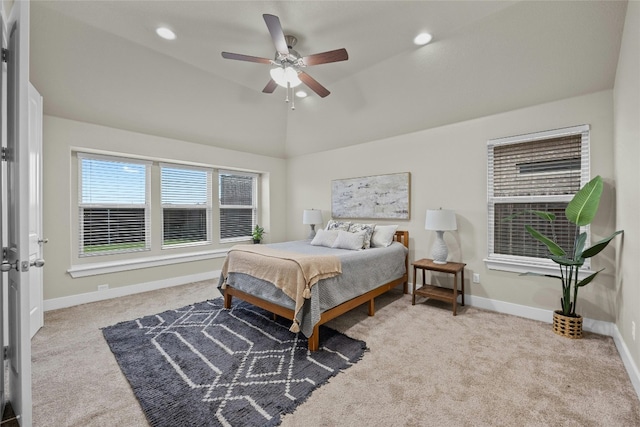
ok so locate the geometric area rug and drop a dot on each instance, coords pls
(203, 365)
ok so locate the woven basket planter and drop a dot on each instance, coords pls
(570, 327)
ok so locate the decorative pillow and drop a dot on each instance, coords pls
(325, 238)
(347, 240)
(338, 225)
(383, 235)
(368, 232)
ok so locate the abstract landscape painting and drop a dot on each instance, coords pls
(372, 197)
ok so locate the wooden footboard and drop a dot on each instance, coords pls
(314, 339)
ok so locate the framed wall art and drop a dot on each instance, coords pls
(372, 197)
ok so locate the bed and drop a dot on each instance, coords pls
(365, 274)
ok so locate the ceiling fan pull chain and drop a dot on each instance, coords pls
(293, 100)
(287, 98)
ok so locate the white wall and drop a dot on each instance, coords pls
(627, 176)
(448, 167)
(61, 135)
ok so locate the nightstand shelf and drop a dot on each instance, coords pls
(437, 292)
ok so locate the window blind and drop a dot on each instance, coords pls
(113, 205)
(238, 207)
(186, 205)
(535, 172)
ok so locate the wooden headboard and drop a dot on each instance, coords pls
(402, 236)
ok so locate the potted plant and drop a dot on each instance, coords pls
(580, 211)
(257, 234)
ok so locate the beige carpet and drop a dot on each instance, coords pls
(424, 368)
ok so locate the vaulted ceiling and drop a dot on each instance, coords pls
(101, 62)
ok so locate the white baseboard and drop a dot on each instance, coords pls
(625, 355)
(63, 302)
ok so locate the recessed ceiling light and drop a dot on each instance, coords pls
(422, 39)
(166, 33)
(301, 94)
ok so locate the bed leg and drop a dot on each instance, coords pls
(227, 300)
(405, 287)
(372, 307)
(314, 339)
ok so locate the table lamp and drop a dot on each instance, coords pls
(440, 220)
(312, 217)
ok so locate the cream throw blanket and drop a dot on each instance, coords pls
(291, 272)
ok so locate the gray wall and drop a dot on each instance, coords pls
(62, 136)
(627, 176)
(448, 167)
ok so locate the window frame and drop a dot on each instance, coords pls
(253, 207)
(208, 207)
(523, 264)
(81, 206)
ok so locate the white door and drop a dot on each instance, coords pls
(17, 241)
(36, 240)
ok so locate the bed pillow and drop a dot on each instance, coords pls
(383, 235)
(348, 240)
(338, 225)
(325, 238)
(368, 232)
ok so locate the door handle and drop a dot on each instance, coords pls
(6, 266)
(44, 240)
(37, 263)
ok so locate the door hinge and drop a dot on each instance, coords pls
(3, 154)
(5, 55)
(5, 352)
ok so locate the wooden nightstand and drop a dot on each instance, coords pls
(437, 292)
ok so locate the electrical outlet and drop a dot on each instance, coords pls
(476, 277)
(633, 330)
(103, 287)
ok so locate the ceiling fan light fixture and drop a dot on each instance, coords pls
(165, 33)
(284, 75)
(422, 39)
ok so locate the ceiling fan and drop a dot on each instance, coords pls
(289, 64)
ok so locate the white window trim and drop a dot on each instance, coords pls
(85, 270)
(519, 264)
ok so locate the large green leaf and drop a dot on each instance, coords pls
(595, 249)
(579, 246)
(547, 216)
(588, 279)
(567, 261)
(583, 207)
(553, 246)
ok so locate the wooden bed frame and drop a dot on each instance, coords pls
(314, 339)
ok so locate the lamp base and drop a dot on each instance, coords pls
(439, 252)
(312, 234)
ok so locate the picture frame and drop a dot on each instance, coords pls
(372, 197)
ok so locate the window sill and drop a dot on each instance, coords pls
(97, 268)
(527, 266)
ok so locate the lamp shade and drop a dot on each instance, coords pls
(312, 216)
(440, 220)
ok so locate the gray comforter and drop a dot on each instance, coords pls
(362, 271)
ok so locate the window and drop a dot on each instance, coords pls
(542, 172)
(113, 205)
(238, 206)
(186, 205)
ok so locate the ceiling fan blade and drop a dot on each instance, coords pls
(273, 24)
(270, 87)
(313, 84)
(326, 57)
(240, 57)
